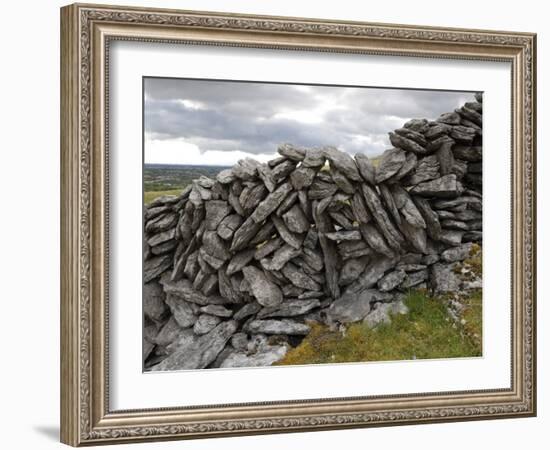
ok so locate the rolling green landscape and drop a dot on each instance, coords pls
(167, 179)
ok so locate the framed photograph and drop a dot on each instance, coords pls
(276, 224)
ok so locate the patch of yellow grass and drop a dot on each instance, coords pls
(149, 196)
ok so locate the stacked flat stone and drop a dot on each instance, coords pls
(237, 268)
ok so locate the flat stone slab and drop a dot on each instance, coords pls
(443, 278)
(283, 326)
(200, 352)
(265, 291)
(267, 356)
(290, 308)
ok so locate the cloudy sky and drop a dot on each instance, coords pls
(220, 122)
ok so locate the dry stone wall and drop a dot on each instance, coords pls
(237, 268)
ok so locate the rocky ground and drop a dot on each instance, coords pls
(237, 269)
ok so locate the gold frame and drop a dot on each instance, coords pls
(86, 31)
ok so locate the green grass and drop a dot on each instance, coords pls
(149, 196)
(427, 332)
(472, 314)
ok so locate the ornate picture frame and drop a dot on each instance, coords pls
(86, 34)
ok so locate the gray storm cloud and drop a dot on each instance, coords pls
(255, 118)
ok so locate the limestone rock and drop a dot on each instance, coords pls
(298, 278)
(411, 161)
(351, 306)
(199, 352)
(341, 181)
(342, 162)
(229, 225)
(458, 253)
(287, 203)
(168, 333)
(161, 237)
(156, 266)
(244, 234)
(185, 290)
(426, 169)
(282, 170)
(437, 130)
(265, 291)
(216, 211)
(302, 177)
(281, 256)
(391, 280)
(292, 239)
(443, 278)
(445, 187)
(161, 223)
(267, 356)
(433, 226)
(184, 313)
(418, 125)
(359, 208)
(283, 326)
(205, 323)
(153, 301)
(290, 308)
(445, 158)
(271, 203)
(382, 313)
(414, 279)
(412, 135)
(292, 152)
(463, 134)
(451, 237)
(345, 235)
(366, 169)
(267, 248)
(247, 310)
(351, 270)
(452, 118)
(389, 202)
(372, 273)
(246, 169)
(321, 189)
(376, 241)
(467, 153)
(226, 176)
(381, 217)
(215, 246)
(330, 252)
(216, 310)
(392, 160)
(315, 158)
(264, 172)
(296, 220)
(407, 144)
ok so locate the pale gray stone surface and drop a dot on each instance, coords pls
(267, 356)
(199, 352)
(265, 291)
(283, 326)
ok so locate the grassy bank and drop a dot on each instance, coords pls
(427, 332)
(149, 196)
